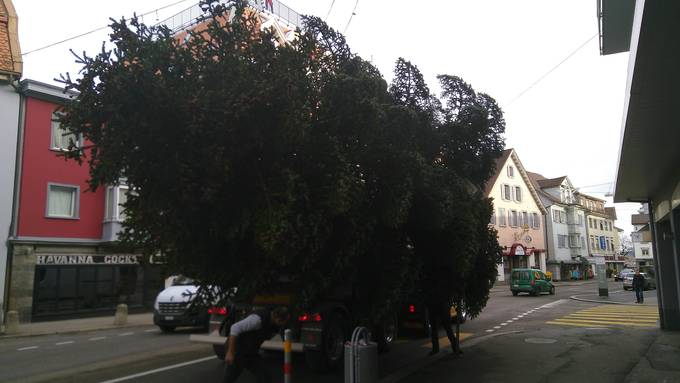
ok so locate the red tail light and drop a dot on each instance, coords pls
(411, 308)
(218, 311)
(310, 318)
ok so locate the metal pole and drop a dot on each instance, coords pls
(287, 356)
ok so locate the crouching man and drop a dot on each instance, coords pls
(245, 338)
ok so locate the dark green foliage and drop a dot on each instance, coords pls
(250, 160)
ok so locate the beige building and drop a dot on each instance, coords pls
(518, 216)
(600, 222)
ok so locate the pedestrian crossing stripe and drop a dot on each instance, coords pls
(611, 316)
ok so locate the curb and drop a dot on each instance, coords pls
(577, 298)
(57, 332)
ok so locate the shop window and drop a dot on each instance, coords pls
(62, 201)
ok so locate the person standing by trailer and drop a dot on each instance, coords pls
(245, 338)
(639, 286)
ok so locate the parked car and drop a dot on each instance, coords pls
(650, 282)
(530, 281)
(175, 306)
(621, 275)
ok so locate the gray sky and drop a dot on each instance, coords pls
(569, 123)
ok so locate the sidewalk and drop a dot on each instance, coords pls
(619, 297)
(558, 354)
(79, 325)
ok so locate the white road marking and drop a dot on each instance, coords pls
(152, 330)
(126, 334)
(27, 348)
(504, 324)
(496, 327)
(97, 338)
(63, 343)
(490, 330)
(515, 318)
(145, 373)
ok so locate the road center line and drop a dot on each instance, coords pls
(63, 343)
(152, 330)
(27, 348)
(97, 338)
(126, 334)
(145, 373)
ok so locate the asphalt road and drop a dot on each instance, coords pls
(145, 354)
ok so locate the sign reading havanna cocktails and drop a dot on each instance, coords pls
(87, 259)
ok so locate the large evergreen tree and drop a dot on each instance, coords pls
(248, 160)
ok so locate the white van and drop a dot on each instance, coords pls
(174, 308)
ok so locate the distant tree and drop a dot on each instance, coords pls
(249, 160)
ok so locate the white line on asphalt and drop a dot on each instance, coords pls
(496, 327)
(516, 318)
(97, 338)
(490, 330)
(27, 348)
(145, 373)
(152, 330)
(63, 343)
(126, 334)
(504, 324)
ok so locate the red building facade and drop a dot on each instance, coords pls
(64, 255)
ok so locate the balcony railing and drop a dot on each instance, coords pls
(193, 14)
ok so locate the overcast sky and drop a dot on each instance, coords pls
(569, 123)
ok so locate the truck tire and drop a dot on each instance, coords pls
(332, 351)
(220, 351)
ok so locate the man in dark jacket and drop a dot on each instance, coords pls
(439, 314)
(245, 338)
(639, 286)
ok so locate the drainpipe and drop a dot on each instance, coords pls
(15, 197)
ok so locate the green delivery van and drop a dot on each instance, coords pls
(530, 281)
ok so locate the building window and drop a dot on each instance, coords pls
(583, 242)
(505, 192)
(579, 219)
(116, 196)
(536, 222)
(513, 218)
(590, 222)
(501, 217)
(645, 251)
(592, 242)
(61, 139)
(601, 226)
(518, 194)
(561, 241)
(556, 215)
(511, 171)
(62, 201)
(525, 218)
(607, 246)
(574, 240)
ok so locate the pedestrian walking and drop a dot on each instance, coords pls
(440, 315)
(245, 338)
(269, 4)
(639, 286)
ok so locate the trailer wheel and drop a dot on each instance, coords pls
(331, 354)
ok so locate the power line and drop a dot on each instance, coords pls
(98, 29)
(551, 70)
(329, 10)
(350, 17)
